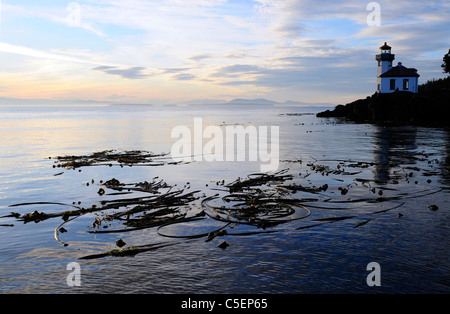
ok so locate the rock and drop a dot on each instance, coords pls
(428, 107)
(433, 208)
(223, 245)
(120, 243)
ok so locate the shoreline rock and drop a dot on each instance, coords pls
(428, 108)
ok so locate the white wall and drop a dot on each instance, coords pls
(386, 84)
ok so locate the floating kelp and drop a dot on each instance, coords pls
(147, 211)
(298, 187)
(129, 251)
(259, 203)
(258, 179)
(148, 187)
(209, 232)
(161, 205)
(362, 223)
(113, 157)
(35, 216)
(254, 209)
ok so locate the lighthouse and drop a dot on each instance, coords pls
(398, 78)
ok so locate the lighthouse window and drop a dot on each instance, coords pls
(392, 84)
(390, 63)
(405, 84)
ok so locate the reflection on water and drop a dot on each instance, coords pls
(394, 145)
(446, 161)
(381, 179)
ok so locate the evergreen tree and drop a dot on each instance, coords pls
(446, 65)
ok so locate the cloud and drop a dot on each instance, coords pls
(36, 53)
(200, 57)
(292, 18)
(413, 38)
(60, 14)
(291, 46)
(332, 71)
(207, 3)
(174, 70)
(183, 77)
(236, 70)
(133, 73)
(178, 74)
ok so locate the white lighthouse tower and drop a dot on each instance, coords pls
(384, 58)
(390, 79)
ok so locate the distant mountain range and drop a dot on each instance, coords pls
(207, 102)
(259, 101)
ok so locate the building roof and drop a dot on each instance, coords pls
(385, 46)
(400, 71)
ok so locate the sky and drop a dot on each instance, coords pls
(176, 51)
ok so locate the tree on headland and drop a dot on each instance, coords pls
(438, 85)
(446, 65)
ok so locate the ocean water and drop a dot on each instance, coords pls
(381, 182)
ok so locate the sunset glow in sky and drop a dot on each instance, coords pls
(169, 51)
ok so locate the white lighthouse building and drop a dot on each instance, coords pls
(390, 79)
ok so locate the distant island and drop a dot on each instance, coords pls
(430, 106)
(260, 102)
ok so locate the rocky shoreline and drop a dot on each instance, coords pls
(428, 107)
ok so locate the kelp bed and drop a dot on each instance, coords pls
(258, 203)
(113, 157)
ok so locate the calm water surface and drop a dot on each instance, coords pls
(410, 165)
